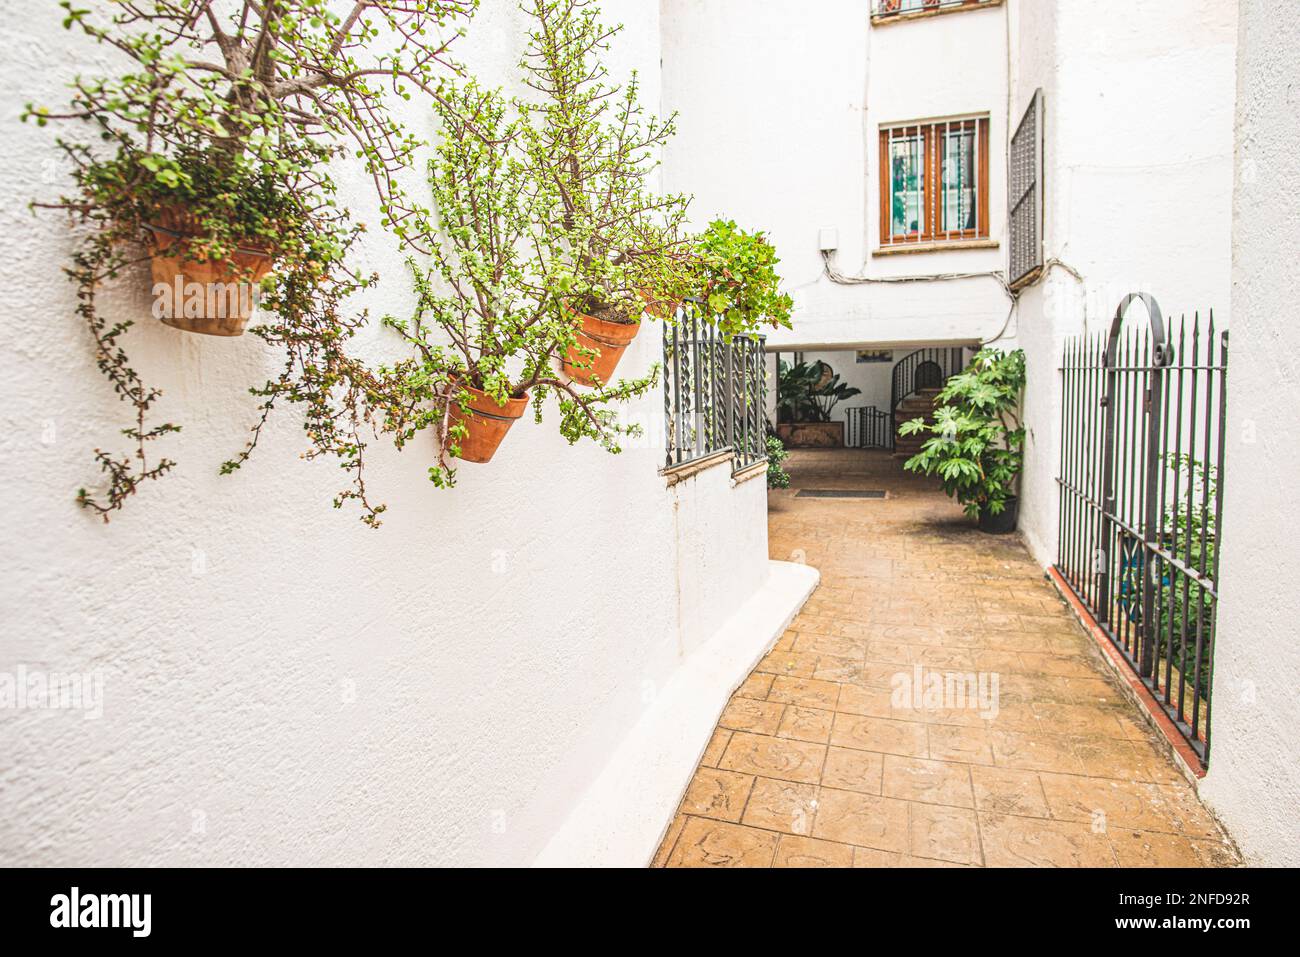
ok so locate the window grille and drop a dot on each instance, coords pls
(1025, 196)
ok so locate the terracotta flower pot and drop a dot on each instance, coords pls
(487, 423)
(212, 297)
(609, 339)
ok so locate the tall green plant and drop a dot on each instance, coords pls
(976, 444)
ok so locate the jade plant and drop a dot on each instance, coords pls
(221, 128)
(490, 314)
(976, 443)
(592, 148)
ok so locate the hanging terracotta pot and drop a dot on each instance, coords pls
(487, 422)
(211, 297)
(609, 339)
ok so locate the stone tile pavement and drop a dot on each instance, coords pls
(819, 760)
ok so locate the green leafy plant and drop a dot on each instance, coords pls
(735, 273)
(777, 477)
(490, 313)
(591, 148)
(225, 120)
(976, 444)
(1191, 535)
(809, 392)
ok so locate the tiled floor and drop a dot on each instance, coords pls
(816, 761)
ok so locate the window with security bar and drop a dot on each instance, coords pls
(1025, 197)
(934, 181)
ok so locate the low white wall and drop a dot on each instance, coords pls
(1254, 775)
(281, 684)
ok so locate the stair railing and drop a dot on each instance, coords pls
(868, 427)
(906, 381)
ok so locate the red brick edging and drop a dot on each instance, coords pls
(1137, 690)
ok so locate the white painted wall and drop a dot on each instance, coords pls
(1138, 102)
(1254, 775)
(780, 112)
(282, 684)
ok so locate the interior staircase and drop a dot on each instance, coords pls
(920, 404)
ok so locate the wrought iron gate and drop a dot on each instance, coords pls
(1141, 499)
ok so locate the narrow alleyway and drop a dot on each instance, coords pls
(813, 764)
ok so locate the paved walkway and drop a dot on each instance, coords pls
(816, 762)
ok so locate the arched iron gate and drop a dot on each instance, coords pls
(1142, 427)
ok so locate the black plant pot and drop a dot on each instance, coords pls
(1004, 523)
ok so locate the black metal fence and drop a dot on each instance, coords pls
(867, 427)
(1141, 499)
(714, 392)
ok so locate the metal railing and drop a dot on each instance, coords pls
(922, 369)
(714, 392)
(894, 8)
(1141, 500)
(867, 427)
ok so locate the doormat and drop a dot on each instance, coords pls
(839, 493)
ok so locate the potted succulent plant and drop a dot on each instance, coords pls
(211, 157)
(976, 443)
(591, 149)
(491, 321)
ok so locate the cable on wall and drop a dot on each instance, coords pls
(839, 278)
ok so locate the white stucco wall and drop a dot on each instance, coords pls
(1254, 775)
(1138, 105)
(781, 112)
(282, 684)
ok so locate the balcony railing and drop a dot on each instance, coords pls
(714, 393)
(889, 9)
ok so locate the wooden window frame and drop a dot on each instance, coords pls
(881, 15)
(931, 132)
